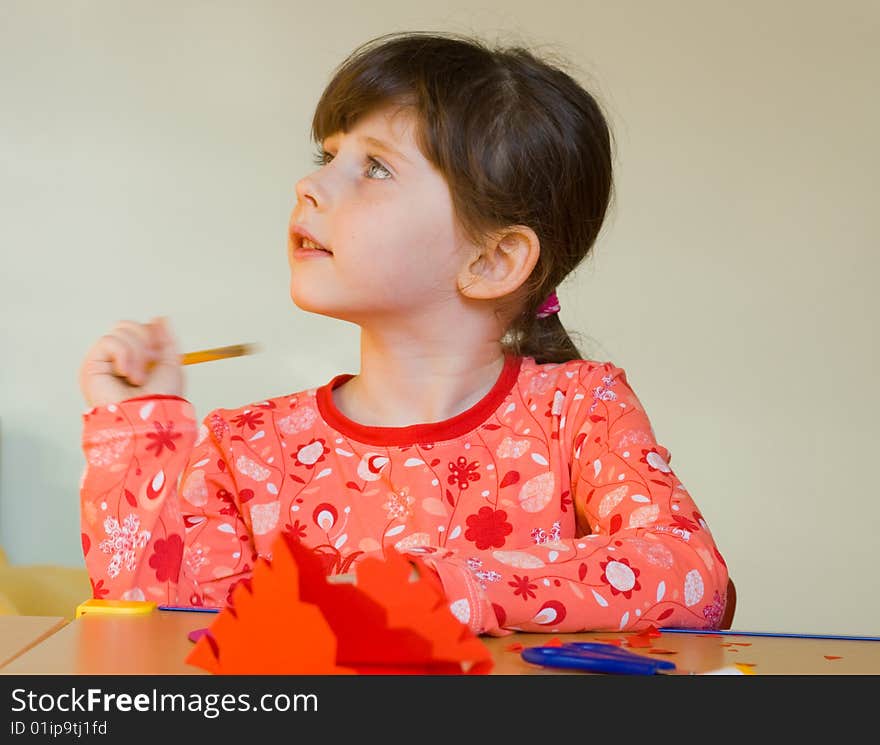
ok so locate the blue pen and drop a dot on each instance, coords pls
(595, 657)
(784, 635)
(192, 609)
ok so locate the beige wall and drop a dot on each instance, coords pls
(148, 155)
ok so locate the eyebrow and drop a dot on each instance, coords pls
(384, 146)
(380, 145)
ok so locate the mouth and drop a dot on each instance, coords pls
(303, 246)
(310, 245)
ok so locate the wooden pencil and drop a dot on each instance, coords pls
(217, 353)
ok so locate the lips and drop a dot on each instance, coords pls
(300, 236)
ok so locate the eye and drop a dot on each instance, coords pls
(322, 158)
(377, 164)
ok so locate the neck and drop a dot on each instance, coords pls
(418, 383)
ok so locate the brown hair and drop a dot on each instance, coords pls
(518, 141)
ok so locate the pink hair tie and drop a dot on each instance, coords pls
(549, 306)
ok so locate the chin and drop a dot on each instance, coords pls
(309, 303)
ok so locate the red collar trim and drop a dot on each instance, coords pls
(415, 434)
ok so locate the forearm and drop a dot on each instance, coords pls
(596, 583)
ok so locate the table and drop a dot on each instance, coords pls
(19, 633)
(153, 644)
(702, 653)
(157, 644)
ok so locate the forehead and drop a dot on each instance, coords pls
(395, 125)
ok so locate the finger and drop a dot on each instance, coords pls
(139, 355)
(111, 354)
(144, 332)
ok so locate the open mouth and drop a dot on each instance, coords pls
(310, 245)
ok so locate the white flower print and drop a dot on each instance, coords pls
(196, 556)
(298, 421)
(399, 504)
(252, 469)
(107, 446)
(122, 542)
(604, 392)
(510, 448)
(540, 536)
(490, 576)
(483, 576)
(540, 383)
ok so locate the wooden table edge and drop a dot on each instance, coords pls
(59, 624)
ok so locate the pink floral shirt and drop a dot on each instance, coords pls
(547, 506)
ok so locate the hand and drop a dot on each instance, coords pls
(134, 359)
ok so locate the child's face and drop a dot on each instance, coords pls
(388, 220)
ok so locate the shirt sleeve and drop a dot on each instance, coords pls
(160, 512)
(642, 553)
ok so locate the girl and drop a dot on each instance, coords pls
(458, 186)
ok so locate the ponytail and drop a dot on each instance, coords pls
(544, 339)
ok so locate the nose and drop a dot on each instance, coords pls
(307, 190)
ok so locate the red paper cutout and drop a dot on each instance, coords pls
(833, 657)
(292, 621)
(515, 647)
(637, 640)
(554, 642)
(268, 629)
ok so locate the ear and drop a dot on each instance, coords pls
(501, 265)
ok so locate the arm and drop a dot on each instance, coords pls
(642, 554)
(160, 511)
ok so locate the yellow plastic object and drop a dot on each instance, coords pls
(116, 607)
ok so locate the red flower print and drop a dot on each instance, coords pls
(297, 531)
(684, 523)
(98, 591)
(565, 500)
(325, 516)
(487, 528)
(249, 419)
(620, 577)
(552, 612)
(162, 438)
(166, 558)
(523, 587)
(463, 472)
(228, 500)
(500, 614)
(655, 461)
(312, 453)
